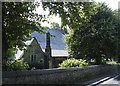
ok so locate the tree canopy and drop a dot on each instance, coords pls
(19, 20)
(92, 28)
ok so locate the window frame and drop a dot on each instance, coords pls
(33, 57)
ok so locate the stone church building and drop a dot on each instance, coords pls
(48, 49)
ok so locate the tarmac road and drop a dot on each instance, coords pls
(115, 81)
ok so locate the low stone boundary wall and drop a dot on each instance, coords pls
(58, 75)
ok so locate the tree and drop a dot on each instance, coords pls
(55, 25)
(19, 20)
(102, 39)
(117, 22)
(91, 27)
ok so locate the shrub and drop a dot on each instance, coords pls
(111, 62)
(16, 65)
(73, 63)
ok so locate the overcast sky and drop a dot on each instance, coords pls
(113, 4)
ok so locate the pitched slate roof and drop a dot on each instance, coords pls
(58, 46)
(56, 41)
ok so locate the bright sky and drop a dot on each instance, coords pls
(113, 4)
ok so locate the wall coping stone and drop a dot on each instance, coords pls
(13, 74)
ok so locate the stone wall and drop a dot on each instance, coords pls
(58, 76)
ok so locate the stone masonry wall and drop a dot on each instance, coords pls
(58, 75)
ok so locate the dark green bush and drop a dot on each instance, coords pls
(73, 63)
(16, 65)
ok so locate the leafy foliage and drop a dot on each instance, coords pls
(19, 20)
(16, 65)
(110, 62)
(92, 29)
(55, 25)
(73, 63)
(92, 38)
(117, 18)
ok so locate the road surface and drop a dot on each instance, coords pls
(115, 81)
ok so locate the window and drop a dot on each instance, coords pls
(33, 58)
